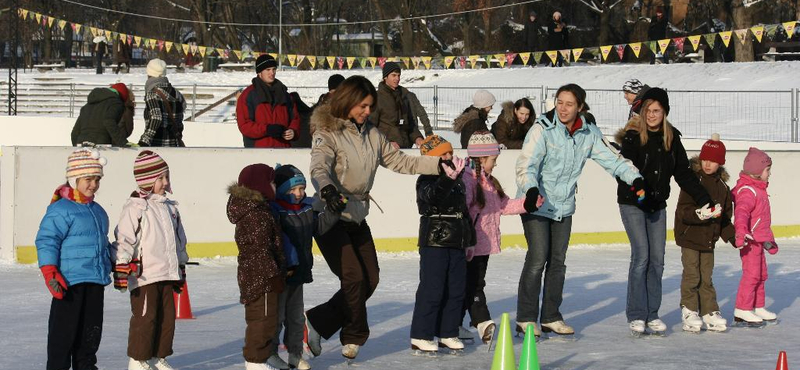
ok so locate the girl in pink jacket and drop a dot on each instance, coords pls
(487, 202)
(753, 236)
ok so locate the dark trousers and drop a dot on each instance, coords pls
(697, 288)
(99, 57)
(290, 319)
(440, 294)
(152, 325)
(75, 328)
(349, 250)
(547, 253)
(261, 317)
(475, 299)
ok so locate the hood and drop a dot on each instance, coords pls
(470, 114)
(322, 119)
(242, 201)
(507, 114)
(103, 93)
(630, 126)
(694, 162)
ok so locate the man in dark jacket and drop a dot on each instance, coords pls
(531, 33)
(164, 108)
(98, 122)
(266, 115)
(558, 36)
(658, 31)
(398, 110)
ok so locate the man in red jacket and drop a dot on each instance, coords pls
(266, 115)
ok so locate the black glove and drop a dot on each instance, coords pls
(143, 144)
(177, 287)
(637, 188)
(334, 200)
(275, 131)
(531, 197)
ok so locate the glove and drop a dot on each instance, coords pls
(532, 202)
(638, 188)
(121, 273)
(178, 286)
(742, 240)
(770, 247)
(275, 131)
(54, 280)
(708, 212)
(142, 144)
(453, 168)
(470, 253)
(334, 200)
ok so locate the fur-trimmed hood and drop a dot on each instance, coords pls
(694, 162)
(630, 126)
(507, 114)
(242, 201)
(322, 119)
(469, 115)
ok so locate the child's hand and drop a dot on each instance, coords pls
(470, 253)
(638, 188)
(539, 201)
(707, 212)
(742, 240)
(532, 200)
(54, 280)
(121, 273)
(453, 167)
(770, 247)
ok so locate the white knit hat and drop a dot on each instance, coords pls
(483, 99)
(156, 68)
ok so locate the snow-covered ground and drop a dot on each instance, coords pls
(594, 304)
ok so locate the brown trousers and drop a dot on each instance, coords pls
(152, 321)
(697, 289)
(349, 250)
(261, 317)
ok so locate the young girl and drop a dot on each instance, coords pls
(752, 222)
(150, 255)
(513, 123)
(73, 251)
(487, 202)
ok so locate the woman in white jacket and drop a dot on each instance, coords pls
(150, 254)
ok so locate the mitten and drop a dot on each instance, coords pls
(178, 286)
(470, 253)
(742, 240)
(121, 273)
(532, 202)
(275, 131)
(457, 166)
(707, 212)
(334, 200)
(54, 280)
(638, 188)
(770, 247)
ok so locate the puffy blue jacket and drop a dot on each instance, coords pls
(552, 160)
(74, 237)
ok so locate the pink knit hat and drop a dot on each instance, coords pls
(756, 161)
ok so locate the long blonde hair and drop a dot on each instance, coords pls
(639, 124)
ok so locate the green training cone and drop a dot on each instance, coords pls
(504, 358)
(529, 359)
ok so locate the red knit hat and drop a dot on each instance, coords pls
(713, 150)
(258, 177)
(122, 89)
(756, 161)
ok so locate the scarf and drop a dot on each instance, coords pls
(67, 192)
(272, 95)
(289, 206)
(153, 82)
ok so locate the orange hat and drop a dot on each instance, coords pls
(435, 146)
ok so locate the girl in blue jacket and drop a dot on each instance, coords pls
(73, 251)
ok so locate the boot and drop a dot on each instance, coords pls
(765, 315)
(349, 351)
(715, 322)
(296, 361)
(451, 343)
(422, 346)
(559, 327)
(160, 364)
(486, 331)
(691, 320)
(314, 339)
(521, 326)
(277, 362)
(139, 365)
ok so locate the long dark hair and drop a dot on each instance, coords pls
(578, 92)
(524, 102)
(350, 93)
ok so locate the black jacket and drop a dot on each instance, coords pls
(99, 119)
(658, 29)
(473, 119)
(557, 40)
(531, 35)
(658, 167)
(444, 217)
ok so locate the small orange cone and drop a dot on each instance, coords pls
(782, 362)
(183, 308)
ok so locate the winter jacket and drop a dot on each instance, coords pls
(444, 218)
(471, 120)
(99, 119)
(151, 230)
(752, 214)
(657, 166)
(256, 109)
(347, 156)
(552, 160)
(487, 219)
(690, 231)
(557, 40)
(658, 29)
(304, 134)
(74, 238)
(258, 237)
(508, 131)
(530, 35)
(399, 105)
(299, 223)
(160, 129)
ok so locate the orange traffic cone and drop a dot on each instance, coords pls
(183, 308)
(782, 362)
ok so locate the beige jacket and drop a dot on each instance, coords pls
(348, 158)
(160, 243)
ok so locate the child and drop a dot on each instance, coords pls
(150, 255)
(487, 202)
(299, 221)
(445, 231)
(752, 220)
(696, 232)
(72, 247)
(262, 268)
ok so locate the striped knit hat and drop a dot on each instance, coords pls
(482, 144)
(84, 162)
(147, 168)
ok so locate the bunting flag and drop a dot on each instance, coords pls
(109, 35)
(362, 62)
(50, 21)
(473, 60)
(137, 40)
(312, 61)
(339, 62)
(161, 45)
(168, 45)
(238, 54)
(726, 37)
(620, 50)
(565, 54)
(74, 29)
(426, 61)
(406, 61)
(415, 62)
(605, 51)
(525, 57)
(758, 32)
(510, 58)
(537, 57)
(185, 48)
(38, 17)
(576, 54)
(24, 13)
(123, 38)
(710, 39)
(679, 43)
(381, 61)
(220, 52)
(350, 62)
(292, 59)
(448, 61)
(553, 55)
(61, 24)
(202, 50)
(636, 47)
(331, 61)
(695, 41)
(78, 27)
(789, 27)
(300, 59)
(652, 46)
(93, 31)
(372, 61)
(501, 59)
(321, 60)
(663, 45)
(274, 55)
(741, 35)
(770, 29)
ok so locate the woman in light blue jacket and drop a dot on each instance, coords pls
(552, 158)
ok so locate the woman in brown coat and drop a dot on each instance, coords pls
(513, 123)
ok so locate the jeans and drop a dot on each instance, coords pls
(291, 319)
(648, 236)
(440, 295)
(547, 251)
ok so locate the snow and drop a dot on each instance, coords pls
(594, 303)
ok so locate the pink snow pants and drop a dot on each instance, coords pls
(754, 274)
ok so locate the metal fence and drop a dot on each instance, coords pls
(736, 115)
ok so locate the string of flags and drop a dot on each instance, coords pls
(417, 62)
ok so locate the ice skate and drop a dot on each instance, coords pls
(314, 339)
(637, 328)
(160, 364)
(465, 335)
(560, 328)
(277, 362)
(486, 331)
(521, 326)
(422, 347)
(296, 361)
(139, 365)
(747, 319)
(657, 328)
(257, 366)
(350, 351)
(769, 318)
(454, 345)
(691, 320)
(715, 322)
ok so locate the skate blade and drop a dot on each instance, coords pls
(555, 337)
(716, 329)
(692, 330)
(421, 353)
(657, 334)
(738, 323)
(454, 352)
(638, 334)
(771, 322)
(468, 340)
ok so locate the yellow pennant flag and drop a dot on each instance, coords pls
(372, 61)
(448, 61)
(789, 27)
(605, 51)
(202, 50)
(565, 54)
(300, 59)
(137, 40)
(415, 61)
(758, 32)
(406, 61)
(238, 54)
(193, 47)
(350, 62)
(525, 57)
(501, 59)
(123, 37)
(220, 52)
(726, 37)
(695, 40)
(78, 27)
(168, 45)
(185, 47)
(663, 45)
(331, 61)
(61, 24)
(274, 55)
(312, 60)
(473, 60)
(108, 35)
(742, 35)
(537, 57)
(38, 17)
(292, 59)
(427, 62)
(24, 14)
(553, 55)
(636, 47)
(51, 20)
(576, 53)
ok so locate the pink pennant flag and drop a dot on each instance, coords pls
(679, 43)
(510, 58)
(620, 50)
(381, 61)
(340, 62)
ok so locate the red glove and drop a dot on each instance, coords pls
(54, 280)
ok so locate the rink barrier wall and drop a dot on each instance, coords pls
(200, 176)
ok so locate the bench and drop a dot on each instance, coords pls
(230, 67)
(789, 50)
(50, 67)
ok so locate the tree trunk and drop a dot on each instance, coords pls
(605, 20)
(387, 44)
(47, 43)
(742, 18)
(487, 30)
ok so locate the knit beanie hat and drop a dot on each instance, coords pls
(334, 81)
(286, 178)
(658, 94)
(632, 86)
(265, 61)
(483, 99)
(713, 150)
(122, 90)
(756, 161)
(390, 67)
(482, 144)
(435, 146)
(156, 68)
(258, 177)
(84, 162)
(147, 168)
